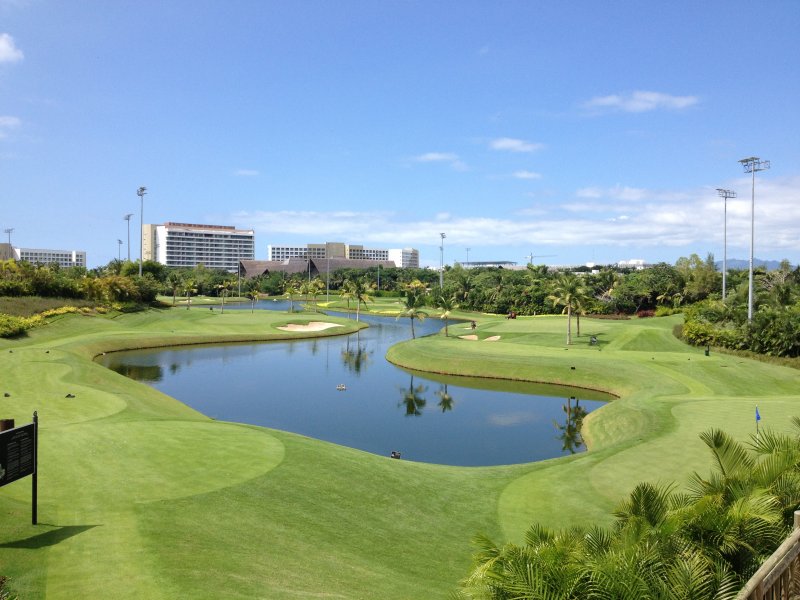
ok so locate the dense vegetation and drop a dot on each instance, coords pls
(692, 285)
(705, 543)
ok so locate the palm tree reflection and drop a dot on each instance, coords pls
(355, 359)
(412, 399)
(571, 429)
(445, 399)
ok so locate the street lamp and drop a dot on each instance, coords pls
(128, 219)
(725, 194)
(441, 261)
(141, 192)
(467, 263)
(752, 165)
(119, 250)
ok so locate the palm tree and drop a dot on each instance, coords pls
(222, 290)
(189, 288)
(414, 300)
(360, 292)
(566, 290)
(347, 291)
(174, 281)
(290, 290)
(447, 304)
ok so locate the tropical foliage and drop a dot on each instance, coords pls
(702, 543)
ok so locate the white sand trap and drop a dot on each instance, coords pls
(492, 338)
(312, 326)
(468, 337)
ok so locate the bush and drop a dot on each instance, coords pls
(644, 314)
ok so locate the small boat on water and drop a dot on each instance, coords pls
(341, 387)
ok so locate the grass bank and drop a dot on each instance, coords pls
(143, 497)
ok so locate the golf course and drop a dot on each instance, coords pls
(141, 496)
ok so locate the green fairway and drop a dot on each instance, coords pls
(143, 497)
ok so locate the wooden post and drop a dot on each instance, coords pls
(6, 424)
(34, 478)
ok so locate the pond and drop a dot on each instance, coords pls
(342, 390)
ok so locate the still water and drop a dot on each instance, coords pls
(293, 386)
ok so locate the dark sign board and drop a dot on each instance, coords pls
(17, 453)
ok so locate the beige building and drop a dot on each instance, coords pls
(405, 257)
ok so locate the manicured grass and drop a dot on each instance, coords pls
(143, 497)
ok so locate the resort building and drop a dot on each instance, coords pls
(405, 257)
(62, 258)
(188, 245)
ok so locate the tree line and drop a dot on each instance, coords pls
(692, 286)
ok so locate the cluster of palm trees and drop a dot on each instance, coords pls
(702, 543)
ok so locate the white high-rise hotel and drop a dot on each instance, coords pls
(402, 257)
(188, 245)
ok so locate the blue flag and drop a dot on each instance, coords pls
(758, 416)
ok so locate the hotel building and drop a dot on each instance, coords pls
(406, 257)
(62, 258)
(188, 245)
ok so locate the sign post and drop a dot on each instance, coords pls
(18, 457)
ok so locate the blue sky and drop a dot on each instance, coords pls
(574, 131)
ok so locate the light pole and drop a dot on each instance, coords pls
(328, 277)
(441, 262)
(725, 194)
(141, 192)
(128, 219)
(9, 231)
(119, 250)
(752, 164)
(467, 263)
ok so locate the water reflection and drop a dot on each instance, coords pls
(570, 437)
(445, 399)
(355, 357)
(466, 421)
(146, 373)
(413, 400)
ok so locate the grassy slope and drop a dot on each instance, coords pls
(142, 497)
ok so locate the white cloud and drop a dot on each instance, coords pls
(527, 175)
(656, 220)
(514, 145)
(8, 50)
(444, 157)
(7, 123)
(641, 101)
(246, 173)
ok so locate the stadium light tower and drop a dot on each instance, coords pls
(441, 262)
(467, 263)
(141, 192)
(725, 194)
(752, 164)
(128, 219)
(9, 232)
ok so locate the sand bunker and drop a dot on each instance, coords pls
(473, 337)
(312, 326)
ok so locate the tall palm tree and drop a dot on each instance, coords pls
(360, 289)
(447, 303)
(174, 281)
(289, 291)
(566, 290)
(413, 302)
(189, 288)
(222, 290)
(347, 291)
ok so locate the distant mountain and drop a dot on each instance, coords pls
(737, 263)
